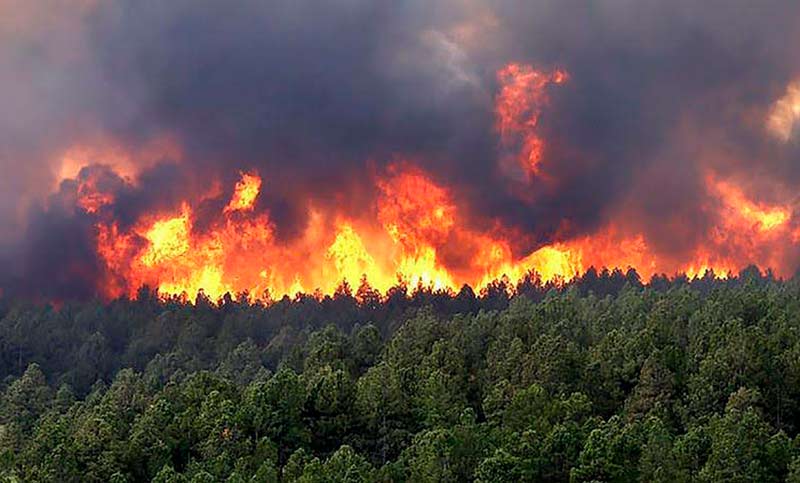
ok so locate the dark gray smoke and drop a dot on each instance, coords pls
(317, 96)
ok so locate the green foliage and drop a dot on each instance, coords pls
(343, 466)
(744, 447)
(169, 475)
(601, 380)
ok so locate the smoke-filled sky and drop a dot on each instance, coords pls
(322, 97)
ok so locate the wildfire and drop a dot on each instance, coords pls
(523, 93)
(419, 217)
(420, 227)
(91, 198)
(418, 222)
(245, 193)
(350, 256)
(415, 233)
(760, 217)
(168, 239)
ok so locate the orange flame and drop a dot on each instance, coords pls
(245, 193)
(420, 228)
(761, 217)
(416, 233)
(518, 108)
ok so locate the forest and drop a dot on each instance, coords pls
(605, 378)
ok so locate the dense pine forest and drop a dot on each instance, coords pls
(601, 379)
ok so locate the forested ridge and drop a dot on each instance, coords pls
(601, 379)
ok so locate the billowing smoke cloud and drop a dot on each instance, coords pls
(319, 96)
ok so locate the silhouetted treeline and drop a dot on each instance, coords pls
(601, 379)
